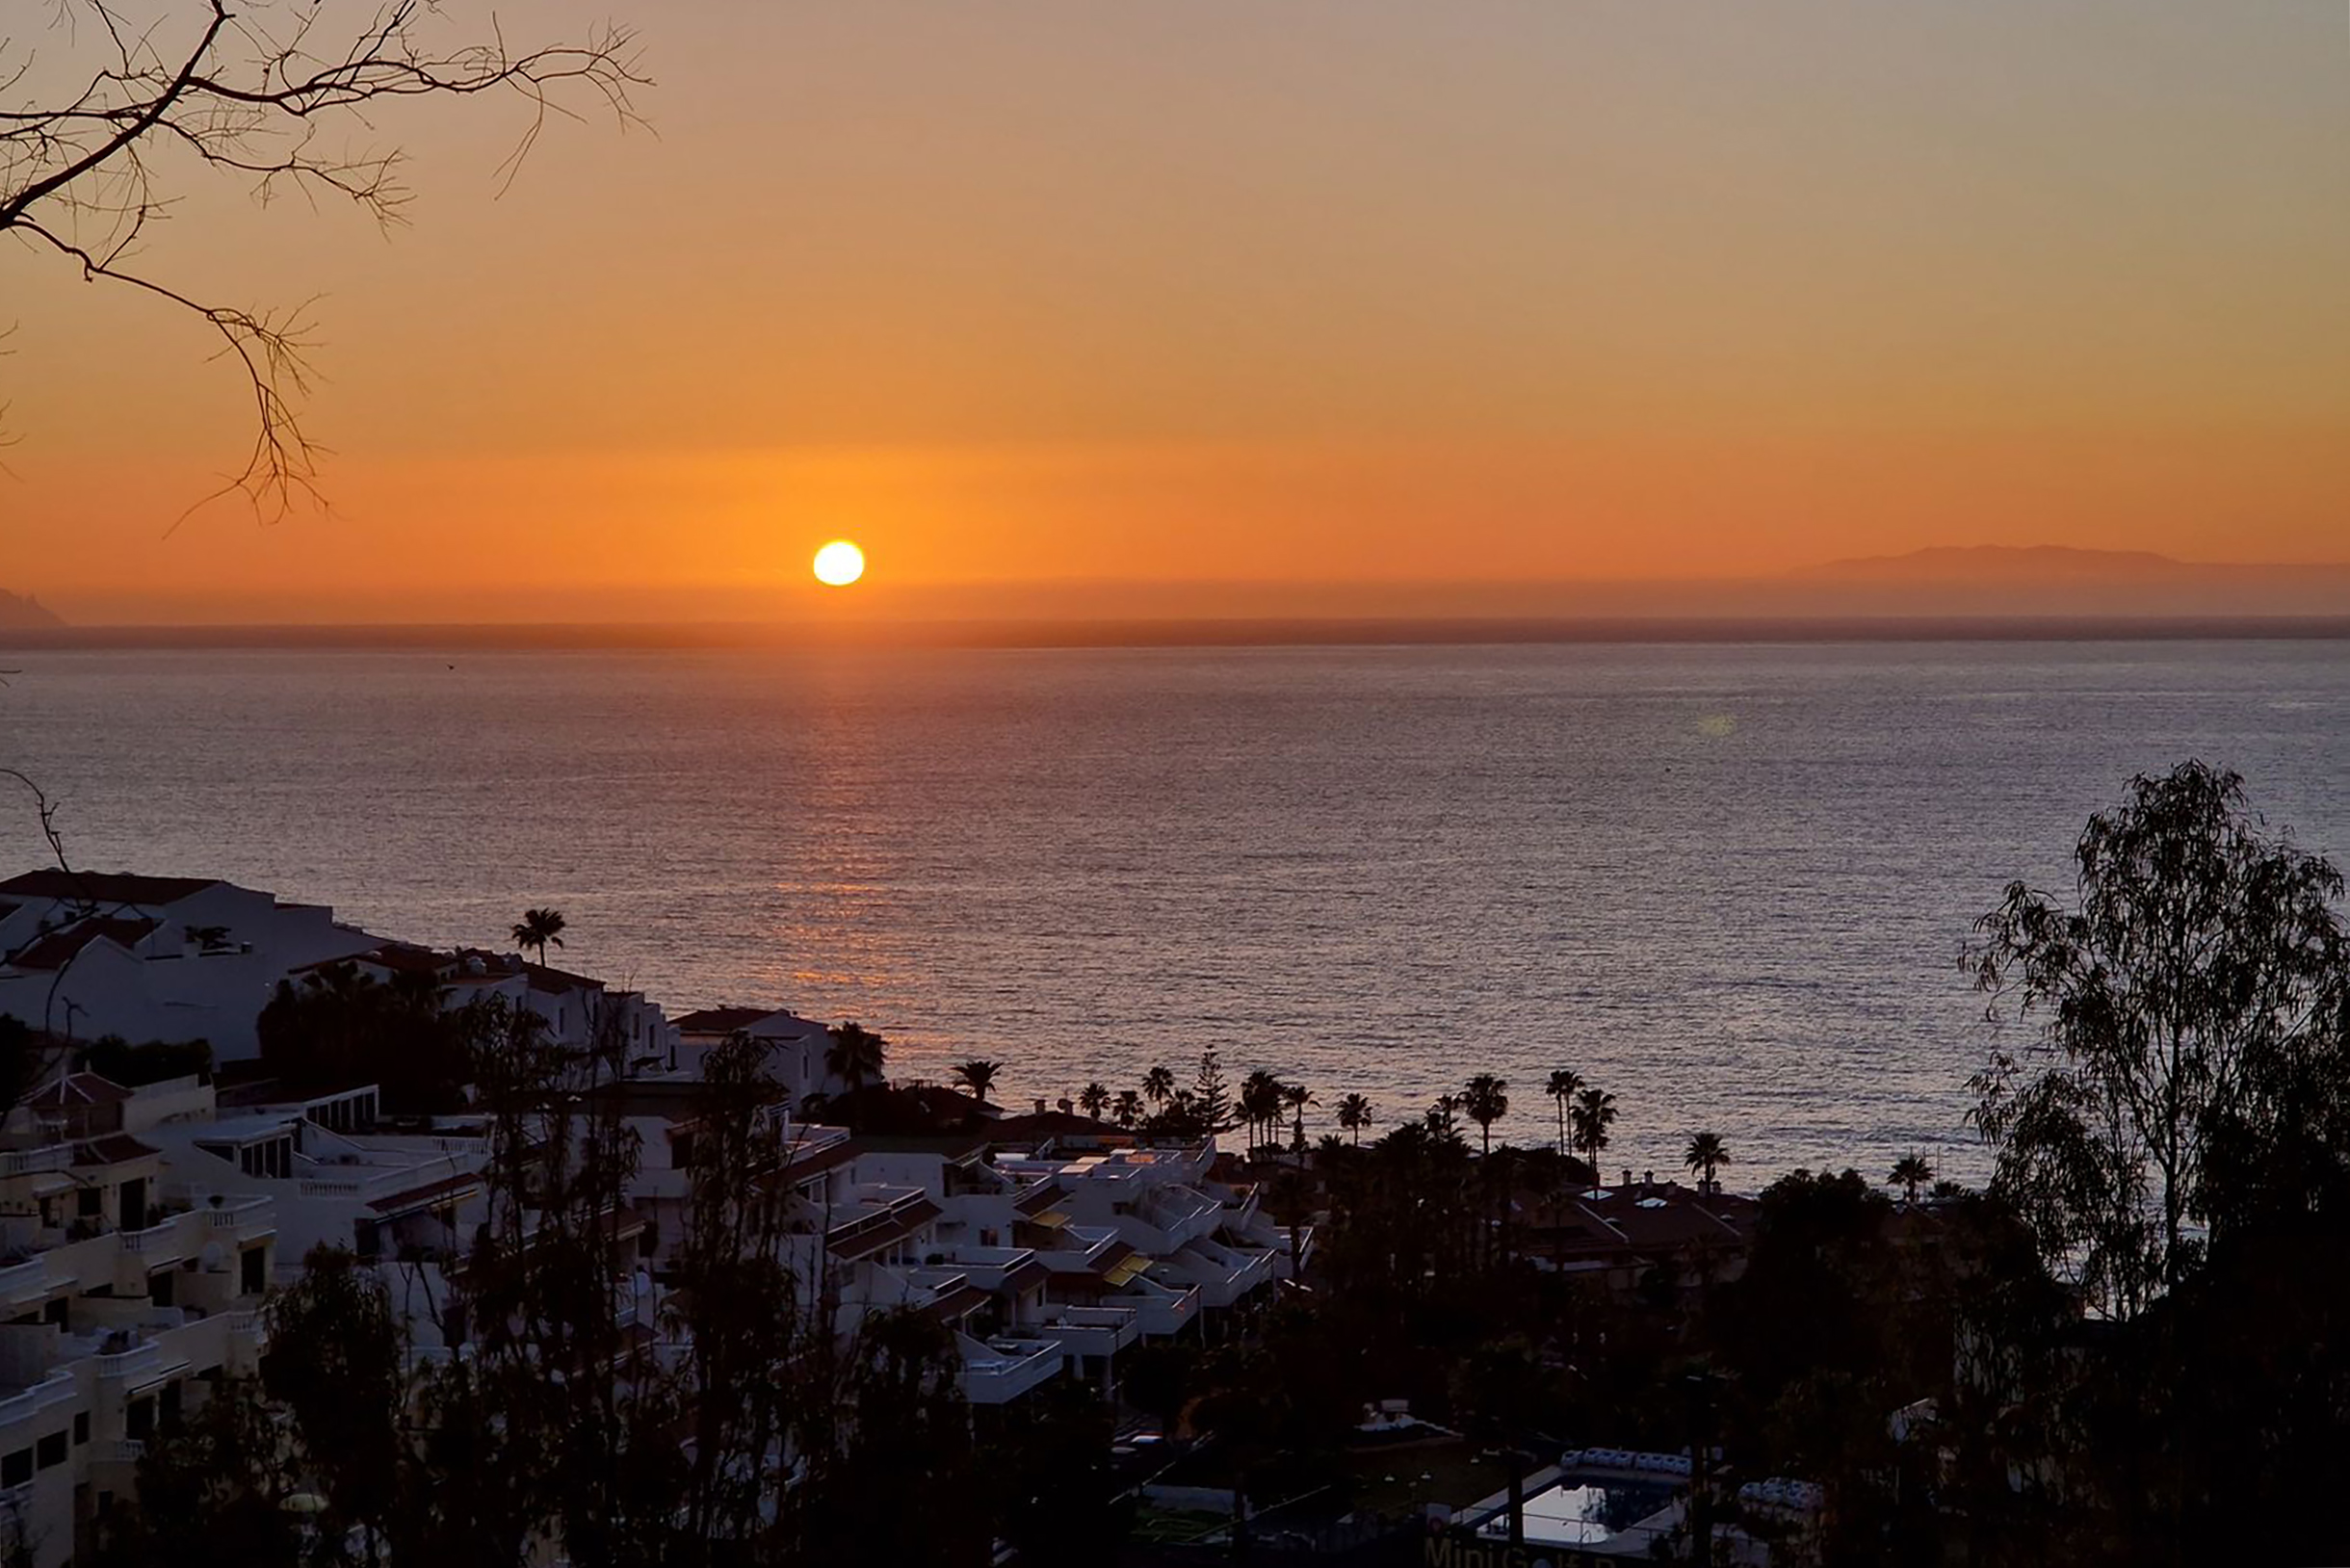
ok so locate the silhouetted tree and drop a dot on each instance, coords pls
(977, 1075)
(537, 928)
(1706, 1155)
(274, 94)
(1486, 1101)
(1563, 1087)
(2188, 999)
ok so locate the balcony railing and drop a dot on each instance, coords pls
(25, 1280)
(55, 1389)
(248, 1212)
(130, 1363)
(155, 1238)
(1000, 1370)
(32, 1162)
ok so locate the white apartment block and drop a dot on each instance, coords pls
(89, 954)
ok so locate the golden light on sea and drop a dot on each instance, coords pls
(838, 564)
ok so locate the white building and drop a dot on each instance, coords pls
(89, 954)
(127, 1292)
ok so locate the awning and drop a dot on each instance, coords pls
(1054, 1218)
(1126, 1270)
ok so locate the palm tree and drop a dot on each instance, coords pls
(1486, 1100)
(856, 1055)
(1564, 1086)
(1595, 1112)
(1158, 1085)
(1128, 1108)
(977, 1075)
(1354, 1113)
(1296, 1096)
(1259, 1105)
(1910, 1172)
(1094, 1098)
(1707, 1154)
(536, 929)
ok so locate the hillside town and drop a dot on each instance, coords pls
(327, 1247)
(151, 1214)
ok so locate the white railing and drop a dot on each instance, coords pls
(153, 1239)
(998, 1373)
(127, 1450)
(29, 1161)
(28, 1278)
(124, 1364)
(55, 1389)
(250, 1210)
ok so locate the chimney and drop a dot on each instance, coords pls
(1628, 1175)
(1040, 1104)
(1648, 1178)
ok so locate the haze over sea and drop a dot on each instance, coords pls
(1726, 882)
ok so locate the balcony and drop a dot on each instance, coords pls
(1090, 1331)
(1003, 1369)
(34, 1162)
(1164, 1308)
(26, 1281)
(57, 1388)
(244, 1216)
(156, 1245)
(989, 1266)
(1223, 1274)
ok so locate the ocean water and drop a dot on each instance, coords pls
(1728, 883)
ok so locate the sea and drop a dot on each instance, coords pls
(1729, 883)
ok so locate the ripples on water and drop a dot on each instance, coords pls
(1727, 883)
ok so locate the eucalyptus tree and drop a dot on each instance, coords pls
(1563, 1086)
(2186, 1062)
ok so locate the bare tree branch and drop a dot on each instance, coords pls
(277, 93)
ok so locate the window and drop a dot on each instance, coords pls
(50, 1453)
(81, 1426)
(16, 1469)
(161, 1287)
(57, 1311)
(89, 1202)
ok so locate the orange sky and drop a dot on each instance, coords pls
(1327, 291)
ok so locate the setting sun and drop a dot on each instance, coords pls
(838, 564)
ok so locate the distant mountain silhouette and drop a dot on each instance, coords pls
(22, 614)
(2050, 578)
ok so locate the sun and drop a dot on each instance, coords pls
(838, 564)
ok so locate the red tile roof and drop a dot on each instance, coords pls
(105, 886)
(863, 1238)
(59, 949)
(426, 1195)
(113, 1149)
(723, 1020)
(79, 1089)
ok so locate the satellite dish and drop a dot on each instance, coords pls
(214, 1259)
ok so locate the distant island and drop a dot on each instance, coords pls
(24, 613)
